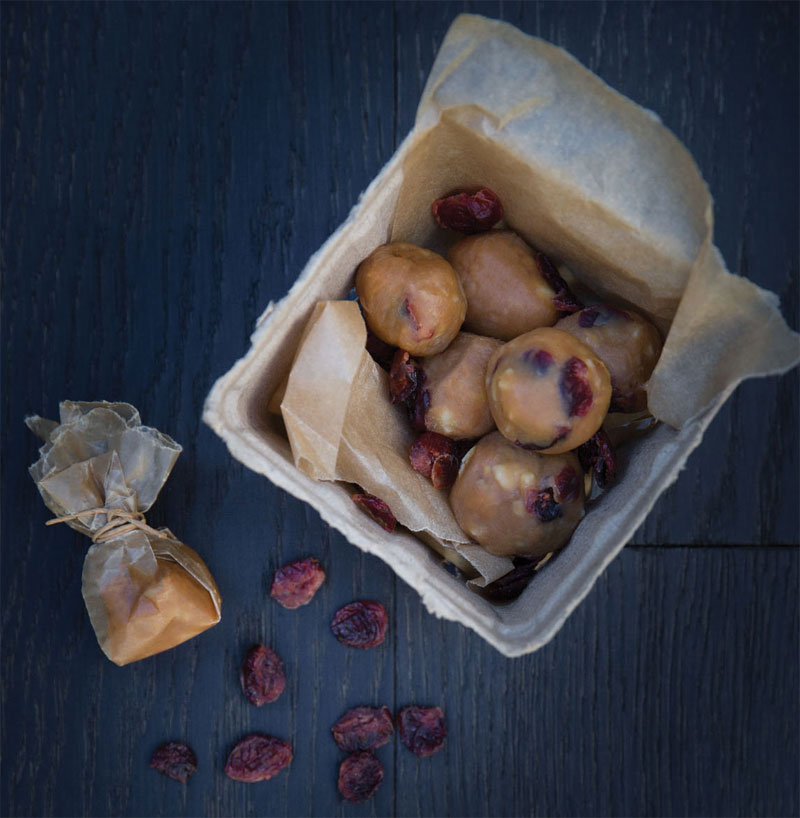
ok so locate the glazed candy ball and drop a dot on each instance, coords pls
(411, 298)
(547, 391)
(455, 382)
(506, 291)
(628, 345)
(517, 502)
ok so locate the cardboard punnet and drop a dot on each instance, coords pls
(589, 177)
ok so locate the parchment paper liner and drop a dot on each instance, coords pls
(145, 591)
(594, 180)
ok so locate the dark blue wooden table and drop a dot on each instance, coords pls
(166, 171)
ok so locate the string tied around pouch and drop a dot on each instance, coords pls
(119, 521)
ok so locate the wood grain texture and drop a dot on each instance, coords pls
(166, 171)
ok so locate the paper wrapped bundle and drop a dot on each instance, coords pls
(99, 471)
(587, 177)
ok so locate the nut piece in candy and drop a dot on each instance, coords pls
(455, 381)
(436, 457)
(175, 760)
(517, 502)
(507, 293)
(597, 456)
(363, 728)
(361, 624)
(547, 391)
(360, 775)
(628, 345)
(468, 212)
(258, 757)
(262, 675)
(296, 583)
(374, 507)
(411, 298)
(422, 729)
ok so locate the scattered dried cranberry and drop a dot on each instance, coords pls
(435, 456)
(375, 507)
(381, 352)
(360, 775)
(575, 388)
(262, 675)
(564, 299)
(175, 760)
(569, 485)
(543, 504)
(598, 456)
(403, 377)
(512, 584)
(360, 624)
(296, 583)
(363, 728)
(468, 212)
(258, 757)
(422, 729)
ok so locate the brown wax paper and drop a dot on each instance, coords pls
(145, 592)
(595, 181)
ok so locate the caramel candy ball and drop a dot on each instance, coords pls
(506, 291)
(411, 298)
(517, 502)
(455, 382)
(547, 391)
(627, 344)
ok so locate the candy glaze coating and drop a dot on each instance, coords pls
(411, 297)
(628, 345)
(507, 294)
(494, 497)
(547, 391)
(458, 406)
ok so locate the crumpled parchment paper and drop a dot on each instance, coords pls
(145, 592)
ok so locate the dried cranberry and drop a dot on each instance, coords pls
(403, 377)
(360, 624)
(262, 675)
(381, 352)
(434, 456)
(468, 212)
(564, 299)
(375, 507)
(407, 311)
(569, 485)
(363, 728)
(258, 757)
(418, 405)
(512, 584)
(422, 729)
(598, 456)
(360, 775)
(543, 504)
(175, 760)
(296, 583)
(588, 317)
(632, 400)
(575, 388)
